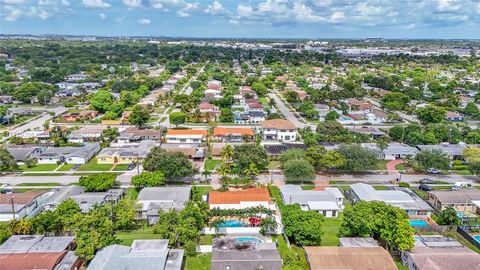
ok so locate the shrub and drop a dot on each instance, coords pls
(404, 184)
(98, 182)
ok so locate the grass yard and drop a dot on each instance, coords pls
(199, 262)
(132, 193)
(66, 167)
(38, 184)
(92, 165)
(400, 167)
(21, 190)
(308, 187)
(210, 164)
(121, 167)
(330, 229)
(381, 165)
(462, 172)
(400, 266)
(275, 193)
(284, 250)
(126, 237)
(380, 188)
(39, 168)
(206, 239)
(274, 165)
(203, 190)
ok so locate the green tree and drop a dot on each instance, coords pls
(357, 159)
(431, 114)
(245, 154)
(432, 159)
(177, 118)
(395, 101)
(7, 162)
(332, 116)
(259, 88)
(125, 214)
(139, 116)
(174, 165)
(298, 170)
(148, 179)
(378, 220)
(303, 227)
(108, 135)
(98, 182)
(331, 160)
(471, 109)
(474, 168)
(102, 100)
(291, 154)
(448, 216)
(226, 115)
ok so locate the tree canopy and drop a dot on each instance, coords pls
(98, 182)
(173, 165)
(148, 179)
(303, 227)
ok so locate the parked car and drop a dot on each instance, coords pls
(460, 185)
(132, 166)
(425, 187)
(433, 171)
(427, 181)
(6, 191)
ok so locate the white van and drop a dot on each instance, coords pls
(460, 185)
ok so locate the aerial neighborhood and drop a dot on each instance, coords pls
(145, 153)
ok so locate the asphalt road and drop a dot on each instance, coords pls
(287, 113)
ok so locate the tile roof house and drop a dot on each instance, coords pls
(227, 253)
(454, 116)
(225, 134)
(20, 205)
(240, 199)
(78, 116)
(279, 130)
(153, 199)
(358, 258)
(23, 261)
(125, 154)
(328, 202)
(186, 135)
(400, 197)
(142, 254)
(71, 155)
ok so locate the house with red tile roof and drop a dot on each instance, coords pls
(186, 135)
(222, 134)
(240, 199)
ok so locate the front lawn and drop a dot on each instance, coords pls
(92, 165)
(126, 237)
(38, 184)
(380, 188)
(381, 165)
(66, 167)
(39, 168)
(132, 193)
(210, 164)
(199, 262)
(121, 167)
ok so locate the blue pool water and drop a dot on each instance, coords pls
(418, 223)
(346, 118)
(248, 239)
(232, 223)
(477, 237)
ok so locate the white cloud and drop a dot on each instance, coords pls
(410, 26)
(102, 16)
(43, 14)
(95, 4)
(132, 3)
(12, 13)
(65, 3)
(14, 2)
(215, 8)
(44, 2)
(244, 10)
(183, 14)
(144, 21)
(337, 16)
(448, 5)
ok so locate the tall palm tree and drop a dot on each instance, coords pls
(206, 173)
(227, 153)
(197, 115)
(251, 170)
(224, 170)
(208, 116)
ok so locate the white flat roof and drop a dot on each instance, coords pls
(326, 205)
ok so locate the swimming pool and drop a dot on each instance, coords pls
(248, 239)
(477, 238)
(418, 223)
(232, 223)
(346, 118)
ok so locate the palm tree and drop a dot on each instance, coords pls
(227, 153)
(224, 170)
(208, 116)
(206, 173)
(271, 102)
(197, 115)
(251, 170)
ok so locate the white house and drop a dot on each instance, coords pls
(279, 130)
(186, 135)
(76, 77)
(328, 202)
(71, 155)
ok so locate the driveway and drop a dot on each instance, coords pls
(392, 164)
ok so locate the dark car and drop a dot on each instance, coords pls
(6, 191)
(427, 181)
(425, 187)
(132, 166)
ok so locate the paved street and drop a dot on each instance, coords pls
(15, 180)
(287, 113)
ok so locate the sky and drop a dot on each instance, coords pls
(315, 19)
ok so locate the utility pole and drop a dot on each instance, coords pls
(13, 207)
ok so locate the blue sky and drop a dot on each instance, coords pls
(245, 18)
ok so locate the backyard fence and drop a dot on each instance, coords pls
(465, 232)
(441, 229)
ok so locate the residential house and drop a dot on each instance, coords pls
(374, 133)
(133, 136)
(66, 93)
(279, 130)
(186, 135)
(20, 111)
(125, 154)
(69, 154)
(247, 91)
(217, 148)
(21, 153)
(21, 205)
(435, 252)
(86, 134)
(358, 105)
(460, 200)
(76, 77)
(358, 258)
(393, 151)
(191, 150)
(240, 199)
(41, 135)
(400, 197)
(85, 200)
(153, 199)
(223, 134)
(453, 151)
(22, 252)
(256, 116)
(228, 253)
(6, 99)
(142, 254)
(328, 202)
(209, 108)
(80, 116)
(454, 117)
